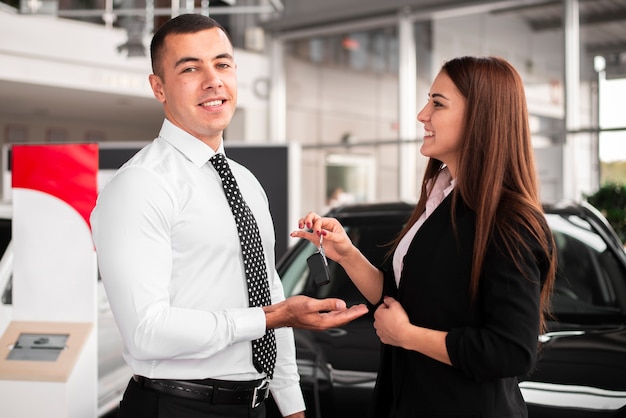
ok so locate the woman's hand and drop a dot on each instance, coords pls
(391, 322)
(336, 242)
(394, 328)
(338, 247)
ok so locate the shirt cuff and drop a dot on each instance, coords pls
(248, 324)
(289, 400)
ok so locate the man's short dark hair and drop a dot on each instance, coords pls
(185, 23)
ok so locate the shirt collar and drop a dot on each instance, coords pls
(444, 183)
(191, 147)
(451, 182)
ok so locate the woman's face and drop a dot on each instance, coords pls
(443, 118)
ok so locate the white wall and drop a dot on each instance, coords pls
(537, 57)
(323, 104)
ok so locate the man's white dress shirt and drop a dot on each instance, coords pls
(170, 260)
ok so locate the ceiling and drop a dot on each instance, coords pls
(62, 104)
(603, 31)
(602, 22)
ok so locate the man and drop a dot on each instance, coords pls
(171, 259)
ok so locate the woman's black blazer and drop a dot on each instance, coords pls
(491, 338)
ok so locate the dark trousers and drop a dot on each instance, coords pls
(140, 402)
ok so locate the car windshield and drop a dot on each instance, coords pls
(590, 277)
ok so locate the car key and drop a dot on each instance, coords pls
(318, 266)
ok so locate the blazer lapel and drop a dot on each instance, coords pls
(430, 231)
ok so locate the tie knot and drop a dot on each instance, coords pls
(219, 162)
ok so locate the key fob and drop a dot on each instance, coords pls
(318, 266)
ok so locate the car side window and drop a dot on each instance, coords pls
(589, 277)
(295, 277)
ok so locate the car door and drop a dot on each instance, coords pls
(581, 370)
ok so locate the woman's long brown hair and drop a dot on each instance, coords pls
(496, 175)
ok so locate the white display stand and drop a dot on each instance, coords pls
(48, 353)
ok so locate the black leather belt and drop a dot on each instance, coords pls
(215, 392)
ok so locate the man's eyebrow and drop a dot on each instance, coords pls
(224, 55)
(184, 60)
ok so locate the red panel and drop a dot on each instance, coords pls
(66, 171)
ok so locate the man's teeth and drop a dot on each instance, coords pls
(428, 133)
(213, 103)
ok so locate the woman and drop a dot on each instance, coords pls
(463, 297)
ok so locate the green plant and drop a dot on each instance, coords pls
(610, 199)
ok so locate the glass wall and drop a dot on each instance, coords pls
(374, 51)
(342, 94)
(612, 147)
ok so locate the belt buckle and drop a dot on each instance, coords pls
(260, 393)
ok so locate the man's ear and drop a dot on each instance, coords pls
(157, 87)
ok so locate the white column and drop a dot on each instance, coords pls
(571, 27)
(407, 109)
(277, 92)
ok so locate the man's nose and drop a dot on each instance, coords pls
(211, 79)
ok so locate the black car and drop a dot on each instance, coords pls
(582, 367)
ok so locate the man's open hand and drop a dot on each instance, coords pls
(313, 314)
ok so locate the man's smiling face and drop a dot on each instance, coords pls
(197, 83)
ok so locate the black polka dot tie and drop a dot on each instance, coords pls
(263, 349)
